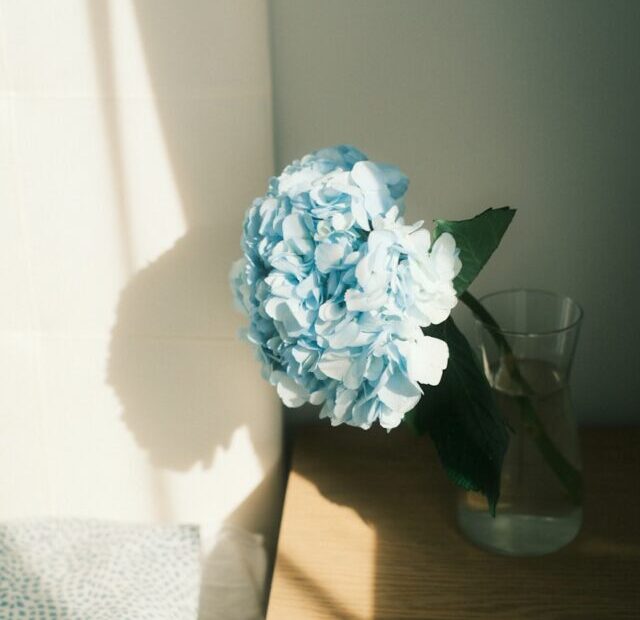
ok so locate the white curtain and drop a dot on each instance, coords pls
(133, 135)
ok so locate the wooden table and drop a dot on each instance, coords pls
(368, 531)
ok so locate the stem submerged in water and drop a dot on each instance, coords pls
(568, 475)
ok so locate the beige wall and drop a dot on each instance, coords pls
(531, 104)
(133, 136)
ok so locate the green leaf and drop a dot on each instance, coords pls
(477, 239)
(461, 417)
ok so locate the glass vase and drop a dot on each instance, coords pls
(527, 341)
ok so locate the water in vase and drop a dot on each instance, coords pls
(535, 515)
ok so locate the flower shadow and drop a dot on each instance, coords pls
(167, 373)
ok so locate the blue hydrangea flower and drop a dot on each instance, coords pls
(337, 287)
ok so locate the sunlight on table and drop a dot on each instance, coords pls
(350, 546)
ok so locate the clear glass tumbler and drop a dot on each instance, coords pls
(527, 340)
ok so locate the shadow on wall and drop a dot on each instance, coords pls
(169, 386)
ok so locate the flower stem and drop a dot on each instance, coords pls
(568, 475)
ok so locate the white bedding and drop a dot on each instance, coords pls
(76, 569)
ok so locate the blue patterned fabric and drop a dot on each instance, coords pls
(94, 570)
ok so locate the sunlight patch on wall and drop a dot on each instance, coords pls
(150, 216)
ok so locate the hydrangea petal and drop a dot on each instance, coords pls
(365, 413)
(368, 176)
(390, 418)
(399, 393)
(334, 366)
(330, 255)
(317, 397)
(395, 179)
(365, 301)
(344, 335)
(343, 403)
(331, 311)
(426, 360)
(291, 393)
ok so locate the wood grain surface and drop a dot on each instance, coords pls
(369, 531)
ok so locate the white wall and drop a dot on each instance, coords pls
(133, 135)
(531, 104)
